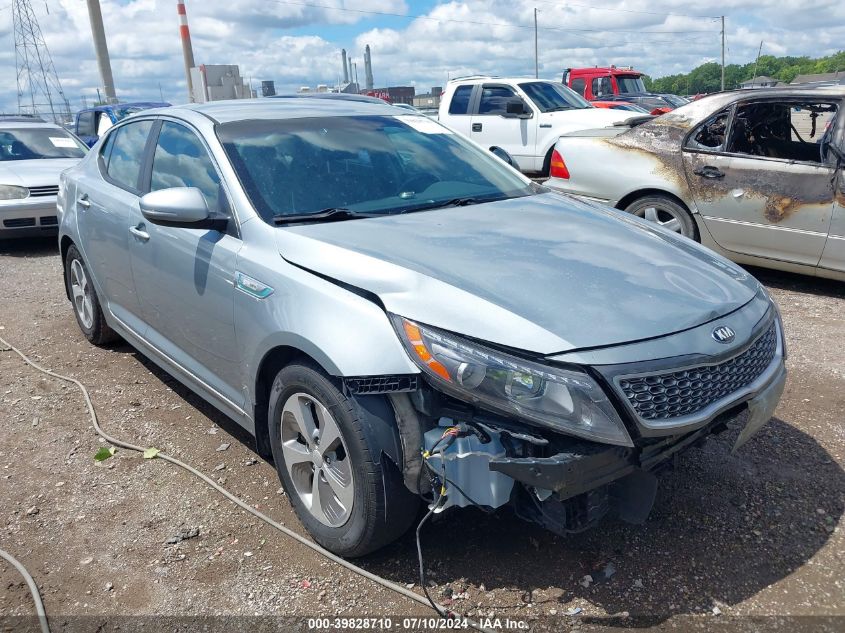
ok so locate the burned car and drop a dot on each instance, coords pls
(396, 314)
(756, 175)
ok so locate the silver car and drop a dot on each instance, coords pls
(32, 155)
(397, 315)
(756, 175)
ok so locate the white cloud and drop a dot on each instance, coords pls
(460, 37)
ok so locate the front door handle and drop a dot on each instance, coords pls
(83, 201)
(710, 172)
(139, 232)
(476, 127)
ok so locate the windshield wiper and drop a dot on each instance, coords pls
(454, 202)
(326, 215)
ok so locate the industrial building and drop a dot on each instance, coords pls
(217, 83)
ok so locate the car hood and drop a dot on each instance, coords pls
(34, 173)
(544, 273)
(584, 118)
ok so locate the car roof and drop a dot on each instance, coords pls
(22, 123)
(290, 108)
(482, 78)
(132, 104)
(792, 91)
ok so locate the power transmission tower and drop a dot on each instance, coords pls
(39, 90)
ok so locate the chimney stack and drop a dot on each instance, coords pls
(187, 49)
(345, 68)
(368, 67)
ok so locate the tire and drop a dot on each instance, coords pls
(666, 212)
(362, 503)
(86, 305)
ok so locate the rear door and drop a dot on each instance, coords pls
(106, 201)
(459, 115)
(760, 182)
(491, 128)
(185, 276)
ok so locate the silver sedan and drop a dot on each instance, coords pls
(396, 314)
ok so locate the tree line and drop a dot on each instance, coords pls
(708, 77)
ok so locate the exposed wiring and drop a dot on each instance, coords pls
(237, 501)
(33, 588)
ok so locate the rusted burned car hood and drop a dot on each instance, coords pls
(545, 273)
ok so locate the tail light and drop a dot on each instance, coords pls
(557, 168)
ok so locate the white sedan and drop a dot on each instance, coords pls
(757, 175)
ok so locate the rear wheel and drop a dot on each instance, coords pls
(86, 305)
(666, 212)
(331, 468)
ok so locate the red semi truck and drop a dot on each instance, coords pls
(614, 83)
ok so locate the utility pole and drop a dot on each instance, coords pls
(101, 49)
(723, 53)
(536, 49)
(187, 49)
(757, 61)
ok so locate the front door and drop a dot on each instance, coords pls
(492, 128)
(759, 179)
(106, 201)
(184, 276)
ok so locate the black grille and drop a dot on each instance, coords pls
(382, 384)
(49, 220)
(688, 391)
(19, 222)
(50, 190)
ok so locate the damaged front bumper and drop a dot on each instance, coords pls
(569, 486)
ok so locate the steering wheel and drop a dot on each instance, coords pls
(418, 182)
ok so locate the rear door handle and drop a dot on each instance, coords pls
(83, 201)
(710, 172)
(139, 232)
(476, 127)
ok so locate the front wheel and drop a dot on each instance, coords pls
(332, 469)
(666, 212)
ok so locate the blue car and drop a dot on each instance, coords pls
(92, 123)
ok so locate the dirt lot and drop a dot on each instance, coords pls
(759, 533)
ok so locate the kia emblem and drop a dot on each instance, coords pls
(723, 334)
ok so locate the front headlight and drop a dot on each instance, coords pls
(13, 192)
(560, 399)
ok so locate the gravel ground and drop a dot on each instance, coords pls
(759, 533)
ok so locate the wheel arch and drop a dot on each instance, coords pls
(627, 199)
(64, 245)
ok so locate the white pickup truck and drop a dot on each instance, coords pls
(524, 117)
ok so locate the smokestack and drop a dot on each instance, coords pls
(368, 67)
(351, 74)
(101, 49)
(187, 49)
(345, 69)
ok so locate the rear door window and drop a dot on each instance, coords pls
(127, 154)
(85, 123)
(460, 100)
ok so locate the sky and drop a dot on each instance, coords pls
(414, 42)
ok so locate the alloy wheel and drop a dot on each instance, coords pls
(662, 216)
(80, 289)
(317, 460)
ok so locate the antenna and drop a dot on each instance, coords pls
(39, 90)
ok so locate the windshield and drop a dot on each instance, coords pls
(630, 83)
(122, 113)
(38, 143)
(675, 100)
(551, 97)
(366, 164)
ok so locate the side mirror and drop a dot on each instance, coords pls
(502, 155)
(515, 108)
(177, 206)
